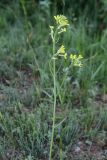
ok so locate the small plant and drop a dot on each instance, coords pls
(61, 24)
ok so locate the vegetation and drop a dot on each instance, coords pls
(28, 66)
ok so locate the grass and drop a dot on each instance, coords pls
(26, 88)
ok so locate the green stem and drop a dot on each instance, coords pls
(54, 107)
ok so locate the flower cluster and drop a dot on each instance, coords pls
(61, 26)
(76, 60)
(61, 20)
(61, 52)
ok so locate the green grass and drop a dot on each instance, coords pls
(26, 87)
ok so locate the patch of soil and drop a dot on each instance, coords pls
(87, 150)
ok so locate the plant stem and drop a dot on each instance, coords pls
(54, 107)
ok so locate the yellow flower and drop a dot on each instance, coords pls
(61, 20)
(76, 60)
(62, 30)
(80, 56)
(61, 50)
(72, 57)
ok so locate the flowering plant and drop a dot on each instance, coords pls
(61, 24)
